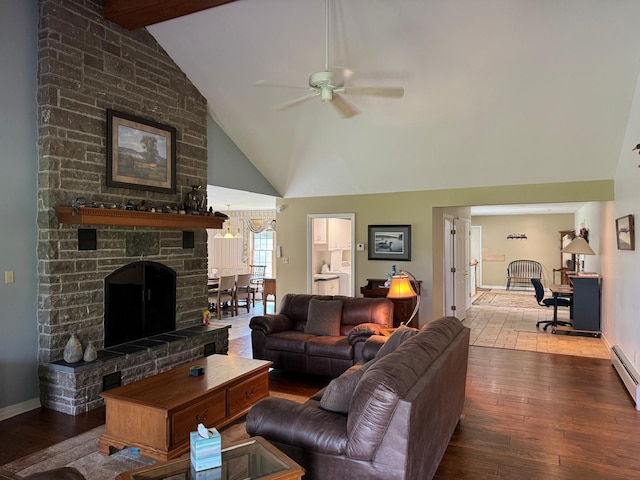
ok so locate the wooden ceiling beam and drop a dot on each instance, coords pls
(140, 13)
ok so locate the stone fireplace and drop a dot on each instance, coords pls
(87, 65)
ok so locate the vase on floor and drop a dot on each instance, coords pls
(73, 350)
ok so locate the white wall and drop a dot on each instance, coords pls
(621, 316)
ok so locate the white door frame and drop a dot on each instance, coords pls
(310, 217)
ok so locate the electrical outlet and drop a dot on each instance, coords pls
(285, 260)
(8, 276)
(360, 247)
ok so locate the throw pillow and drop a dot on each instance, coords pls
(337, 395)
(401, 334)
(323, 317)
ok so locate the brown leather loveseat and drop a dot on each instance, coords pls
(318, 334)
(398, 418)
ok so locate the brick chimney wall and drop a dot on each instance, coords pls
(85, 66)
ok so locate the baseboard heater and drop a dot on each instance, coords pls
(627, 373)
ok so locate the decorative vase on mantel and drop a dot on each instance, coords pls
(73, 350)
(194, 202)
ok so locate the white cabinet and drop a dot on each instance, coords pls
(327, 287)
(319, 230)
(339, 234)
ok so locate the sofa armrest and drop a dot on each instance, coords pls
(372, 345)
(268, 324)
(300, 425)
(362, 332)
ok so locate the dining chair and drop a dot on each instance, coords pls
(269, 289)
(257, 279)
(224, 294)
(243, 290)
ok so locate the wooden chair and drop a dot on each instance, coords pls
(257, 279)
(225, 293)
(243, 290)
(269, 288)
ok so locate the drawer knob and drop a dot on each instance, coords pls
(204, 416)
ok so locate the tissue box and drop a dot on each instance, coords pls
(205, 452)
(210, 474)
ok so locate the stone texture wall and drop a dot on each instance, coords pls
(85, 66)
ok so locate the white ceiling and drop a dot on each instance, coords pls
(223, 199)
(496, 91)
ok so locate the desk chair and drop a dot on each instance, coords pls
(550, 302)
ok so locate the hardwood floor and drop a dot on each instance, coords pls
(528, 415)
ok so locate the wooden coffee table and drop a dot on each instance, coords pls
(253, 458)
(157, 413)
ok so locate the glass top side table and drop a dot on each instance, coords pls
(253, 458)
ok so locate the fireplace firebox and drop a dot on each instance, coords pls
(140, 301)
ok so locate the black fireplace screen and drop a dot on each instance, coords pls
(140, 301)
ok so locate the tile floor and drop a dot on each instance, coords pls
(515, 329)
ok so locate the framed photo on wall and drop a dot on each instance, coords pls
(390, 242)
(141, 154)
(625, 235)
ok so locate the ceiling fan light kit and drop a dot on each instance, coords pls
(322, 84)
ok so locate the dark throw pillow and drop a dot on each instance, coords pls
(337, 395)
(323, 317)
(401, 334)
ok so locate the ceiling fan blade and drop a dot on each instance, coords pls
(344, 109)
(265, 83)
(394, 92)
(293, 103)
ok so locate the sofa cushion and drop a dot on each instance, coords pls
(288, 341)
(329, 346)
(337, 395)
(396, 339)
(324, 317)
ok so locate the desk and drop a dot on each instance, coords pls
(585, 310)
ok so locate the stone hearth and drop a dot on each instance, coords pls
(75, 388)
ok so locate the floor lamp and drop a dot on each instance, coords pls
(401, 287)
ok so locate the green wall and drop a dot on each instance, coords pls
(424, 211)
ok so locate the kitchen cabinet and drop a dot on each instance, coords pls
(319, 230)
(327, 287)
(339, 234)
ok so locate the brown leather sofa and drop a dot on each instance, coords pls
(285, 338)
(399, 418)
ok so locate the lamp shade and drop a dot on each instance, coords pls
(579, 246)
(401, 287)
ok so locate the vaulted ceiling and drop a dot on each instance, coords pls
(496, 91)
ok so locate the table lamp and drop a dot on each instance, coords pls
(578, 246)
(401, 288)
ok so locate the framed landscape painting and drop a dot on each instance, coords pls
(625, 234)
(141, 154)
(390, 242)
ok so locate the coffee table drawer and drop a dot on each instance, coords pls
(209, 410)
(247, 393)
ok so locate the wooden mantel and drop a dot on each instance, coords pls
(128, 218)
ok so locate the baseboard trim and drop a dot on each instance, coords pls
(18, 408)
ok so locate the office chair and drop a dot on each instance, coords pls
(550, 302)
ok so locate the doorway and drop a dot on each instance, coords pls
(330, 266)
(457, 289)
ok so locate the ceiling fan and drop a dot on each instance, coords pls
(330, 85)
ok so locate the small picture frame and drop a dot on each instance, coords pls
(625, 235)
(141, 154)
(390, 242)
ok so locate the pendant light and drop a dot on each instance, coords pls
(228, 233)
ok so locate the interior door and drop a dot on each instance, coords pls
(461, 262)
(448, 267)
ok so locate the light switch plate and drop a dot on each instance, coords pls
(8, 276)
